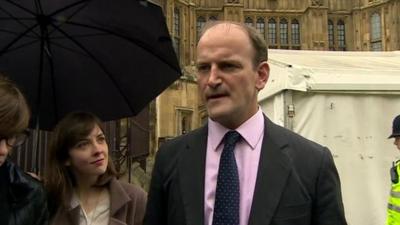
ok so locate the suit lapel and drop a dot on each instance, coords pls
(273, 171)
(191, 175)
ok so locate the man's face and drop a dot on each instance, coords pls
(397, 142)
(228, 81)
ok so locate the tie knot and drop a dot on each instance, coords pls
(231, 137)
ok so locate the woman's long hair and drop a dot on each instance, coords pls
(59, 180)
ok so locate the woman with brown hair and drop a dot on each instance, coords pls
(22, 198)
(82, 181)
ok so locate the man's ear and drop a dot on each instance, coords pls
(262, 75)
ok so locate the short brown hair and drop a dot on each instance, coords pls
(256, 40)
(68, 132)
(14, 111)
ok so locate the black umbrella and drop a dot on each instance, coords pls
(107, 57)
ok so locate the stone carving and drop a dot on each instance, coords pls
(317, 3)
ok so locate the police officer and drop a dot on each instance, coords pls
(393, 217)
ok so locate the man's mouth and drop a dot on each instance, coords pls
(210, 97)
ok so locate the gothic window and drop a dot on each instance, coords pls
(199, 25)
(271, 32)
(260, 26)
(184, 121)
(331, 35)
(295, 32)
(376, 41)
(248, 21)
(341, 35)
(177, 31)
(283, 34)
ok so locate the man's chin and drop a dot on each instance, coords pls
(219, 116)
(216, 115)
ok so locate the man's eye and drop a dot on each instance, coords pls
(202, 68)
(228, 66)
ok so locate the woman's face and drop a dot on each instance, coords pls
(89, 157)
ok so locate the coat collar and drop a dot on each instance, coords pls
(118, 199)
(21, 185)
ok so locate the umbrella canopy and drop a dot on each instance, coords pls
(107, 57)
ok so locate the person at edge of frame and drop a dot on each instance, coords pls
(23, 200)
(393, 211)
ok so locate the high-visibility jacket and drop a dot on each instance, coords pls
(393, 213)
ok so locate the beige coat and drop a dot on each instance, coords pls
(128, 204)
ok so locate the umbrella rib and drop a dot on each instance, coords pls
(69, 49)
(80, 36)
(38, 5)
(45, 50)
(18, 20)
(69, 6)
(70, 16)
(21, 46)
(13, 32)
(21, 7)
(131, 40)
(4, 50)
(52, 80)
(99, 63)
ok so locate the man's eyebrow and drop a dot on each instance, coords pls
(233, 61)
(197, 64)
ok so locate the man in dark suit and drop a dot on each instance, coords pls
(273, 176)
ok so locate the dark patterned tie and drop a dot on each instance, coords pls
(227, 195)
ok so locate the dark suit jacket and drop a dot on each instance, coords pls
(297, 182)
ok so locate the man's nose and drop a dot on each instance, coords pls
(214, 78)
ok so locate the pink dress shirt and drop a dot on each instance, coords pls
(247, 154)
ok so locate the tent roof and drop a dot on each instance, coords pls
(332, 72)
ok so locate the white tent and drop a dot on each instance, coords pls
(345, 101)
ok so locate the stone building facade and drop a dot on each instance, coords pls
(336, 25)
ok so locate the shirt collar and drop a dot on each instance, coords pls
(74, 201)
(251, 131)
